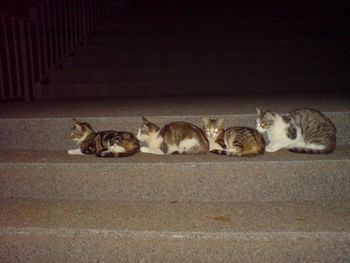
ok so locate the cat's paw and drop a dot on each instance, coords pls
(272, 148)
(75, 152)
(144, 149)
(236, 150)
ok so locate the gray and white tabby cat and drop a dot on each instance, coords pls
(103, 143)
(300, 131)
(174, 138)
(234, 141)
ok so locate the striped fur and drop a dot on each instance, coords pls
(104, 143)
(173, 138)
(301, 131)
(234, 141)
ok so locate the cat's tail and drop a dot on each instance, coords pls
(310, 151)
(243, 154)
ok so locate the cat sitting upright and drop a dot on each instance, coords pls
(300, 131)
(234, 141)
(175, 137)
(103, 143)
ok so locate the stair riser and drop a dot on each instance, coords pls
(243, 31)
(200, 72)
(100, 248)
(53, 134)
(200, 87)
(236, 181)
(184, 60)
(222, 46)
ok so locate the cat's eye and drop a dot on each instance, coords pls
(216, 130)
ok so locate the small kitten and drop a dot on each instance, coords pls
(234, 141)
(175, 137)
(103, 143)
(300, 131)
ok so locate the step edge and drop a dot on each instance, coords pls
(173, 235)
(192, 164)
(165, 117)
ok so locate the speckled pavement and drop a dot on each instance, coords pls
(110, 231)
(50, 121)
(277, 207)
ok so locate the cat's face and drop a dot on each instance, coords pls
(80, 130)
(147, 129)
(213, 128)
(265, 120)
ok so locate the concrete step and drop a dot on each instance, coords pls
(34, 162)
(112, 231)
(200, 72)
(23, 120)
(228, 57)
(238, 45)
(174, 28)
(272, 177)
(161, 21)
(242, 34)
(256, 13)
(335, 83)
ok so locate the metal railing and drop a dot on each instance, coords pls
(32, 47)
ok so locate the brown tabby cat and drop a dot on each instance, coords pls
(234, 141)
(103, 143)
(175, 137)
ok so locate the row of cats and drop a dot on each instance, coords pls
(300, 131)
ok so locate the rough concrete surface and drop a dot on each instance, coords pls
(45, 125)
(109, 231)
(273, 176)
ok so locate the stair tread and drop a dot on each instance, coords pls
(173, 106)
(56, 158)
(182, 220)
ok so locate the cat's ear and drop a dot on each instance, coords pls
(270, 115)
(220, 122)
(259, 111)
(145, 121)
(76, 121)
(206, 121)
(78, 127)
(152, 127)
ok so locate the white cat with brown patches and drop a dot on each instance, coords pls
(300, 131)
(233, 141)
(174, 138)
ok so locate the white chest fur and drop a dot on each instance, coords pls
(213, 145)
(154, 141)
(278, 132)
(278, 137)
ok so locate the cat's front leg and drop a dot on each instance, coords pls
(139, 135)
(75, 152)
(145, 149)
(273, 147)
(213, 146)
